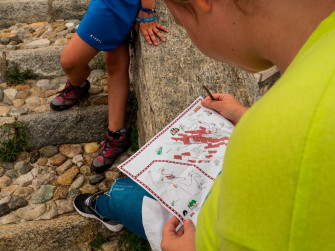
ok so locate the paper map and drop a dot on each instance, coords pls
(179, 165)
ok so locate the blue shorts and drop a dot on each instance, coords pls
(107, 23)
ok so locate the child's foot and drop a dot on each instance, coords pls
(85, 206)
(114, 144)
(69, 96)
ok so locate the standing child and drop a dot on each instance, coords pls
(106, 27)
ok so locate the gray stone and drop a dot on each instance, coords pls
(72, 9)
(24, 180)
(51, 128)
(62, 168)
(50, 212)
(9, 219)
(19, 164)
(19, 112)
(69, 25)
(4, 41)
(26, 168)
(73, 193)
(95, 179)
(44, 84)
(13, 174)
(5, 199)
(4, 209)
(31, 212)
(78, 182)
(64, 206)
(43, 61)
(77, 158)
(43, 179)
(10, 93)
(7, 166)
(44, 194)
(2, 171)
(34, 157)
(49, 151)
(95, 75)
(18, 203)
(37, 44)
(63, 33)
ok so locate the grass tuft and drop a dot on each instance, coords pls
(16, 142)
(97, 242)
(133, 242)
(14, 76)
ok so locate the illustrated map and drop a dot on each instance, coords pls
(179, 165)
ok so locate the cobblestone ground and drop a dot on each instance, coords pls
(41, 184)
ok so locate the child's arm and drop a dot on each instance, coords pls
(149, 28)
(226, 105)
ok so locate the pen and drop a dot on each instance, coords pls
(209, 93)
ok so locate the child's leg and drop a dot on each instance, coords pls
(116, 141)
(123, 203)
(75, 58)
(117, 62)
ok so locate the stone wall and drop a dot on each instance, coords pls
(30, 11)
(170, 77)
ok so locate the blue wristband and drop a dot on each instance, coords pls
(148, 10)
(146, 19)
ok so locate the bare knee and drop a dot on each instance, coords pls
(67, 63)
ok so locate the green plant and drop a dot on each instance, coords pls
(14, 76)
(133, 242)
(132, 117)
(97, 242)
(99, 61)
(16, 141)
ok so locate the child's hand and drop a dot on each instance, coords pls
(226, 105)
(183, 239)
(150, 29)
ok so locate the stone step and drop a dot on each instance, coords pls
(29, 105)
(69, 232)
(30, 11)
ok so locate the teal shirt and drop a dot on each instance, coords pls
(277, 188)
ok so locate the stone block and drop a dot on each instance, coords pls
(23, 11)
(67, 127)
(169, 77)
(63, 233)
(45, 62)
(69, 9)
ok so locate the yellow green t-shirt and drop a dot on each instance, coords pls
(277, 187)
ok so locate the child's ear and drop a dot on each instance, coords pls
(205, 5)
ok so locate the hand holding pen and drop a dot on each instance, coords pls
(225, 104)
